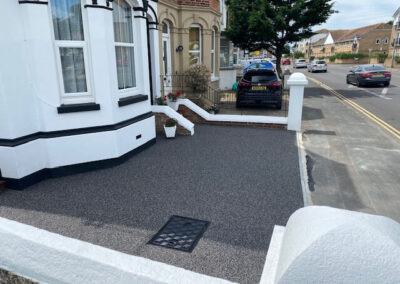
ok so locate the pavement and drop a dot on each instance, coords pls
(243, 180)
(353, 161)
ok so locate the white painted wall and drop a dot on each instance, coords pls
(30, 89)
(50, 258)
(327, 245)
(227, 77)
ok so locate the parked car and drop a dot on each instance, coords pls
(286, 61)
(300, 63)
(369, 74)
(259, 65)
(260, 86)
(317, 66)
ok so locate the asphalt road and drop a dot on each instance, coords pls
(353, 161)
(381, 101)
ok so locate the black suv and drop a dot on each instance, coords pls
(260, 86)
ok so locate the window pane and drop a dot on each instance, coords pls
(224, 52)
(122, 18)
(212, 63)
(67, 19)
(165, 28)
(194, 39)
(213, 40)
(194, 58)
(73, 70)
(125, 67)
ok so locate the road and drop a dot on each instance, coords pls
(353, 155)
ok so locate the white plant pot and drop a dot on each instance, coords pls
(173, 105)
(170, 131)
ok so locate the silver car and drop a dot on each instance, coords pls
(300, 63)
(317, 66)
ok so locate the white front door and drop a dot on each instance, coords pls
(166, 48)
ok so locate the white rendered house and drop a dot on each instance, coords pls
(75, 85)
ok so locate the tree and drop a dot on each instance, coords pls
(271, 24)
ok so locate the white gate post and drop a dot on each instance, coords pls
(296, 82)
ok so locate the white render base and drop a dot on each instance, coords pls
(168, 111)
(271, 262)
(232, 118)
(23, 160)
(51, 258)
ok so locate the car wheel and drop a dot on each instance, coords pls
(358, 84)
(326, 71)
(347, 80)
(386, 84)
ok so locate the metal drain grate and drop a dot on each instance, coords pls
(180, 233)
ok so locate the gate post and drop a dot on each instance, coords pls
(296, 82)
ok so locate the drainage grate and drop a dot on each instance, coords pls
(180, 233)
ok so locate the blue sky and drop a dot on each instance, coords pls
(358, 13)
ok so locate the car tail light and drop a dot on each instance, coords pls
(387, 74)
(367, 75)
(326, 65)
(243, 84)
(315, 65)
(275, 84)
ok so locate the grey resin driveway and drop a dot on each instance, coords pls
(242, 180)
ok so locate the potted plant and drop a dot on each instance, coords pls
(173, 100)
(170, 128)
(161, 101)
(213, 110)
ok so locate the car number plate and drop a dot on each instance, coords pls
(377, 76)
(258, 88)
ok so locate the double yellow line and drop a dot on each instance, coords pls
(395, 132)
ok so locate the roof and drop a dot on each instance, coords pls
(396, 13)
(346, 35)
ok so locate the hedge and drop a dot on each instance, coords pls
(344, 55)
(397, 59)
(332, 58)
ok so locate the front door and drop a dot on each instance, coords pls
(166, 47)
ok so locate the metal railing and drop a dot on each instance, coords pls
(178, 82)
(397, 42)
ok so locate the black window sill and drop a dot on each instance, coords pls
(78, 108)
(132, 100)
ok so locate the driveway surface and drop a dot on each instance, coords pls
(354, 161)
(243, 180)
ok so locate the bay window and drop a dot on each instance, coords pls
(71, 48)
(194, 44)
(124, 45)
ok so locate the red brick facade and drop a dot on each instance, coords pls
(214, 4)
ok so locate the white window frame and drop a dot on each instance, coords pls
(73, 98)
(197, 26)
(213, 33)
(122, 93)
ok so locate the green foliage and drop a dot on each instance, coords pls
(198, 78)
(332, 58)
(397, 59)
(170, 122)
(161, 101)
(321, 57)
(382, 57)
(298, 54)
(272, 24)
(345, 55)
(312, 58)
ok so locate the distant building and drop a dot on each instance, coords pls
(395, 37)
(373, 38)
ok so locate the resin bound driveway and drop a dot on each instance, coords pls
(243, 180)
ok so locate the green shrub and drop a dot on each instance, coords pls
(298, 54)
(198, 78)
(321, 57)
(345, 55)
(382, 57)
(312, 58)
(397, 59)
(332, 58)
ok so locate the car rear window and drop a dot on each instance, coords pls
(303, 60)
(260, 77)
(374, 68)
(320, 62)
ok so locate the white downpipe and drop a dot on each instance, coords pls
(182, 121)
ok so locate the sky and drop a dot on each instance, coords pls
(358, 13)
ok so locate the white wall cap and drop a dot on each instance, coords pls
(297, 79)
(327, 245)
